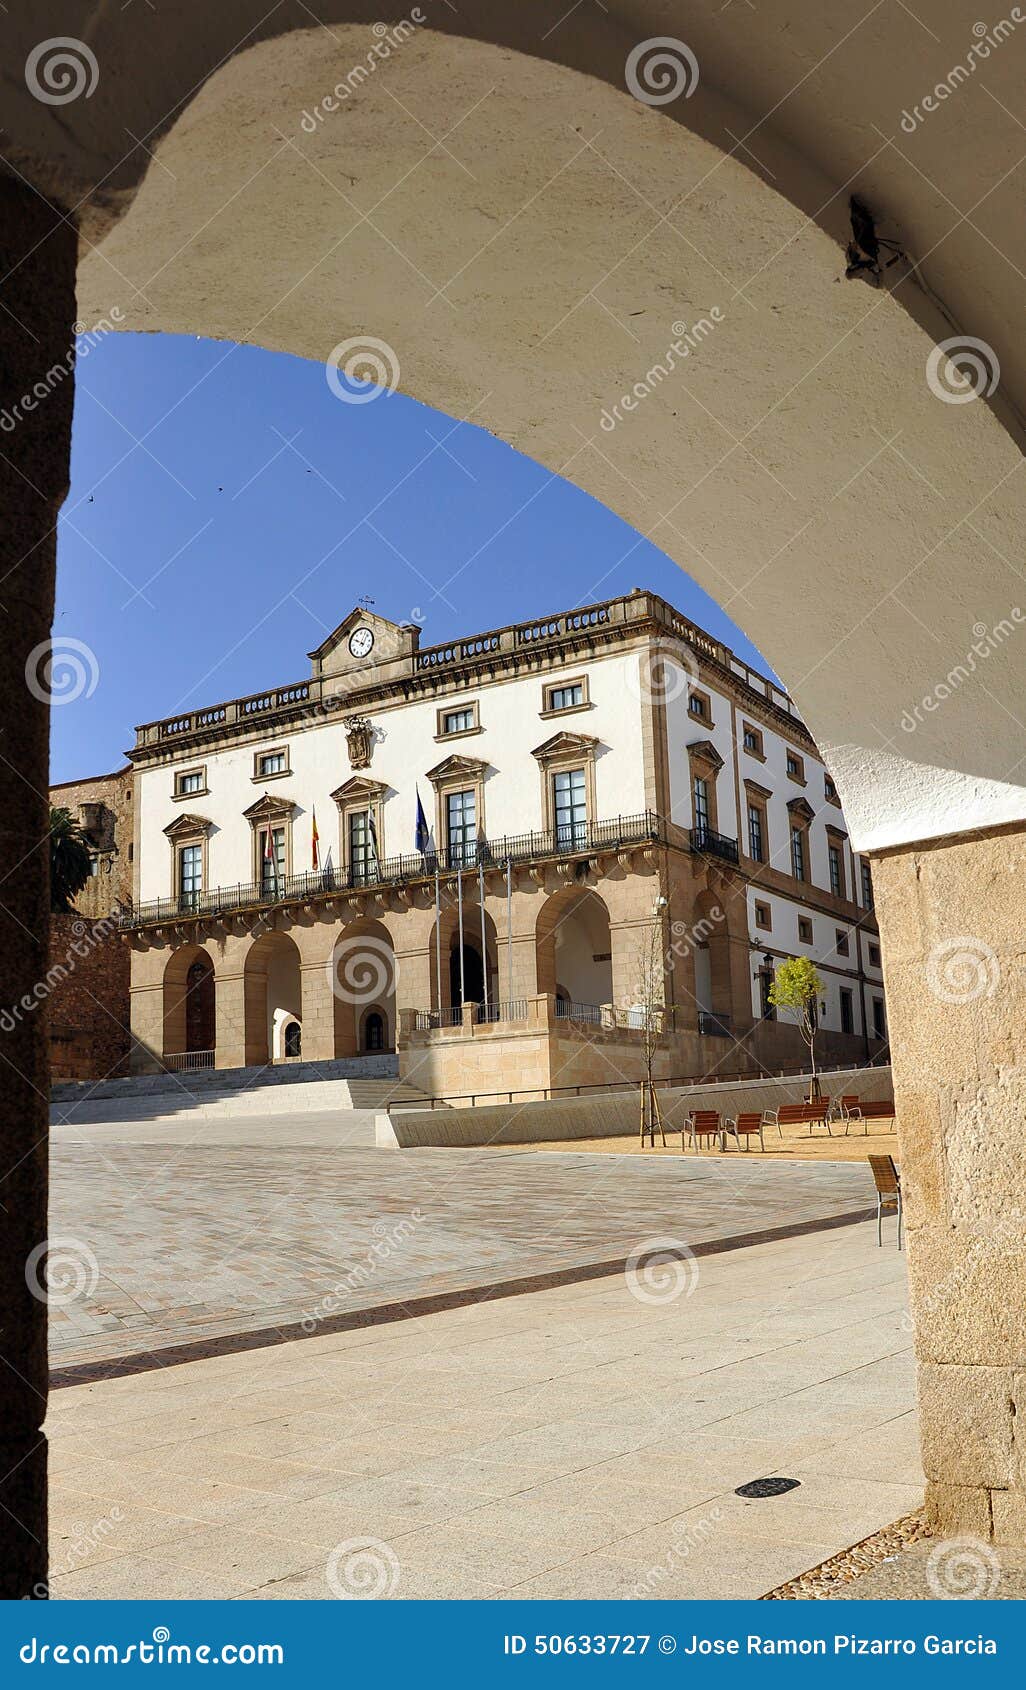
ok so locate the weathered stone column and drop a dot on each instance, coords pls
(953, 926)
(37, 308)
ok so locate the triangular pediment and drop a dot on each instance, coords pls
(184, 826)
(456, 767)
(362, 640)
(358, 790)
(268, 806)
(565, 743)
(801, 807)
(754, 790)
(705, 751)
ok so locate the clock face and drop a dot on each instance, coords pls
(360, 641)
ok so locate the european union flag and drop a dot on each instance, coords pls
(422, 833)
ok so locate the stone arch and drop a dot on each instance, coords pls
(273, 995)
(573, 947)
(363, 974)
(189, 1011)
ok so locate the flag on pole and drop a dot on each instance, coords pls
(422, 833)
(270, 859)
(314, 842)
(372, 834)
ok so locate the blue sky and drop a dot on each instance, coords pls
(227, 510)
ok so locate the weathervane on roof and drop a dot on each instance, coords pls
(365, 602)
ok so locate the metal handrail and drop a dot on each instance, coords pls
(586, 1012)
(707, 842)
(324, 883)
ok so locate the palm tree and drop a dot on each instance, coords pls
(71, 861)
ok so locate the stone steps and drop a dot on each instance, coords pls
(299, 1088)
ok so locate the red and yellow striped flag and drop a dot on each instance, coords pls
(314, 837)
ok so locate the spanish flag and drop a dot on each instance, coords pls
(314, 837)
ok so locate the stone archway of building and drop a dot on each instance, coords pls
(375, 1035)
(189, 1003)
(363, 974)
(574, 948)
(273, 996)
(816, 466)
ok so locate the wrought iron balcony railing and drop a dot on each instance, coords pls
(585, 839)
(712, 844)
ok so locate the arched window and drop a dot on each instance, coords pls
(293, 1039)
(374, 1031)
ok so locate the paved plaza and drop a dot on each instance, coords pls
(583, 1441)
(185, 1233)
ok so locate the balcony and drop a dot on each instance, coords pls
(587, 839)
(708, 843)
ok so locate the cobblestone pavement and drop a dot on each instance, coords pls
(175, 1232)
(584, 1441)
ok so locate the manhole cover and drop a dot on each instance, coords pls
(767, 1487)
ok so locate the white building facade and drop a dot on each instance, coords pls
(465, 853)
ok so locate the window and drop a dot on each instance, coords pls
(461, 825)
(836, 870)
(190, 780)
(700, 793)
(867, 885)
(805, 930)
(829, 789)
(879, 1021)
(874, 956)
(763, 916)
(293, 1039)
(363, 847)
(847, 1011)
(752, 740)
(190, 876)
(696, 705)
(841, 942)
(756, 836)
(272, 861)
(374, 1031)
(570, 807)
(568, 695)
(798, 852)
(795, 766)
(271, 763)
(458, 719)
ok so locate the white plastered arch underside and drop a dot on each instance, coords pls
(528, 271)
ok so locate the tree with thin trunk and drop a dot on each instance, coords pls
(797, 987)
(650, 1001)
(71, 861)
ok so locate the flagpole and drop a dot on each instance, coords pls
(509, 929)
(438, 941)
(484, 941)
(459, 907)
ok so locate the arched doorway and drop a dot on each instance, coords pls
(293, 1040)
(362, 970)
(273, 997)
(574, 951)
(189, 1008)
(375, 1032)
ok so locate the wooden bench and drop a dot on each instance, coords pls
(851, 1108)
(745, 1126)
(702, 1123)
(888, 1192)
(802, 1114)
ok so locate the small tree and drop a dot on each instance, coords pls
(650, 989)
(71, 863)
(798, 987)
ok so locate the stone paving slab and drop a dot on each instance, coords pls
(191, 1233)
(958, 1569)
(582, 1441)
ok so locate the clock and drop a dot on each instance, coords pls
(361, 641)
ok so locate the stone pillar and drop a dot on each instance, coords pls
(953, 930)
(37, 292)
(230, 1017)
(147, 1009)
